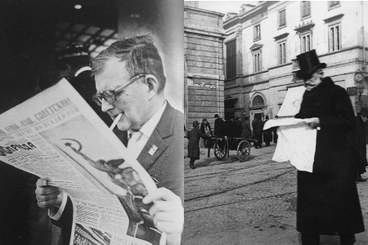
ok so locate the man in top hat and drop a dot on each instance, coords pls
(74, 64)
(357, 142)
(328, 201)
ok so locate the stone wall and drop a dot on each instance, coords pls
(204, 65)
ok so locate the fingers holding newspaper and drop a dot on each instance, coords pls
(168, 213)
(47, 196)
(313, 122)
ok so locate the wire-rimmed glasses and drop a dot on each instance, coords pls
(110, 95)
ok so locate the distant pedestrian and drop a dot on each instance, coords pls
(257, 125)
(238, 125)
(246, 130)
(267, 134)
(206, 129)
(357, 143)
(193, 145)
(219, 126)
(274, 132)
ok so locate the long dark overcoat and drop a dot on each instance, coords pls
(357, 144)
(193, 145)
(328, 201)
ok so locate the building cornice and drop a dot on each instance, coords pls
(333, 18)
(304, 26)
(204, 76)
(248, 15)
(281, 36)
(186, 7)
(204, 32)
(256, 46)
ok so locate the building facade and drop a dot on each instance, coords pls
(204, 72)
(262, 42)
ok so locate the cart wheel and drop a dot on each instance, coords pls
(243, 150)
(220, 149)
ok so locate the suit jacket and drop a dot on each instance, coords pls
(165, 165)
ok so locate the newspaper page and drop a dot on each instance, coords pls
(296, 141)
(55, 134)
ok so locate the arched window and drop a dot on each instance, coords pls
(258, 101)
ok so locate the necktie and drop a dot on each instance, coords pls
(133, 137)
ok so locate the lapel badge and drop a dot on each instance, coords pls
(153, 150)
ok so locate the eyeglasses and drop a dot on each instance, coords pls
(110, 95)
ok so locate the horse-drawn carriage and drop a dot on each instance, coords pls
(231, 141)
(223, 144)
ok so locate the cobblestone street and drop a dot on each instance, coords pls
(251, 202)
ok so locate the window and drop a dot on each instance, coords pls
(333, 4)
(281, 47)
(257, 32)
(334, 37)
(305, 9)
(282, 18)
(305, 42)
(231, 59)
(258, 101)
(257, 61)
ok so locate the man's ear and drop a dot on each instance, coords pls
(152, 84)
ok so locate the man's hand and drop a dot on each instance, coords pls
(47, 196)
(167, 213)
(313, 122)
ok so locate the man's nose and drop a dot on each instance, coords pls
(106, 106)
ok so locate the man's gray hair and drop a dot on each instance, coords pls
(139, 53)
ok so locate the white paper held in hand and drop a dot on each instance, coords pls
(115, 121)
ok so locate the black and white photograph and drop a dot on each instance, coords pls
(125, 60)
(283, 86)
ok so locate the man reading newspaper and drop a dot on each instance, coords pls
(130, 84)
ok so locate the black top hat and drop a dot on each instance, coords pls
(308, 64)
(73, 50)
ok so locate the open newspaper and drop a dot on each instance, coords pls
(55, 134)
(296, 141)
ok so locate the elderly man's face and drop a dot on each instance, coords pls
(314, 81)
(132, 102)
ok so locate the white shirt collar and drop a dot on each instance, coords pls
(151, 124)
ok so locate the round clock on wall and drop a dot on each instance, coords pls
(358, 77)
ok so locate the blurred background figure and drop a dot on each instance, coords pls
(246, 130)
(73, 63)
(206, 129)
(267, 134)
(238, 126)
(274, 132)
(257, 126)
(219, 126)
(22, 222)
(357, 143)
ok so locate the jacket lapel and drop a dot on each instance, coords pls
(156, 144)
(154, 147)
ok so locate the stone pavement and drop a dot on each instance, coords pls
(251, 202)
